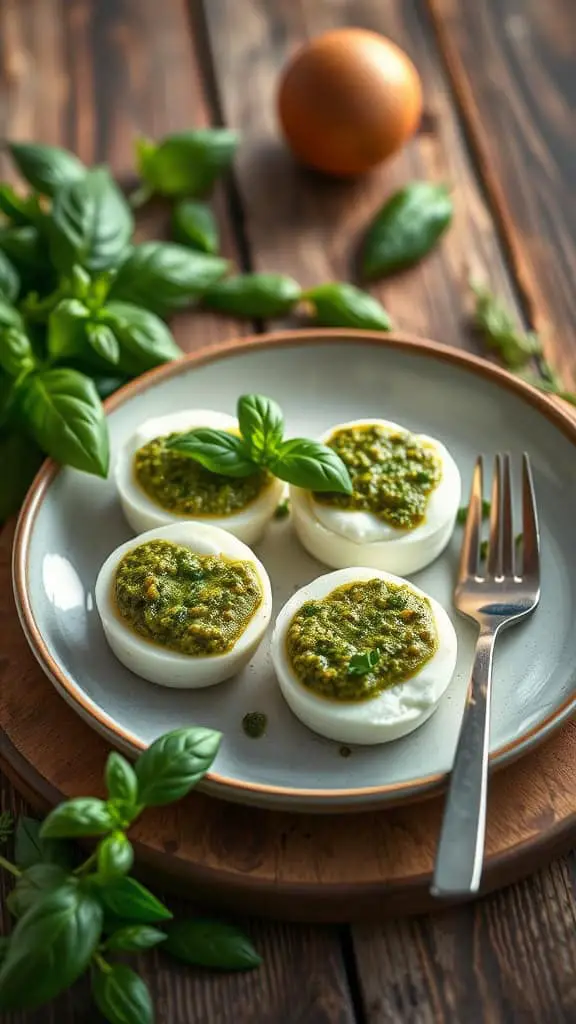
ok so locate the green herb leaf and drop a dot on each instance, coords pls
(31, 848)
(20, 459)
(47, 168)
(103, 342)
(16, 354)
(91, 223)
(211, 943)
(115, 855)
(407, 227)
(9, 316)
(145, 341)
(500, 332)
(261, 425)
(82, 816)
(9, 279)
(194, 224)
(67, 329)
(63, 412)
(361, 664)
(50, 947)
(33, 885)
(174, 763)
(186, 163)
(22, 246)
(164, 277)
(550, 387)
(120, 779)
(126, 898)
(134, 938)
(21, 210)
(216, 450)
(311, 465)
(122, 996)
(344, 305)
(254, 295)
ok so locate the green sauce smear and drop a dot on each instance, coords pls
(392, 474)
(325, 638)
(182, 486)
(194, 604)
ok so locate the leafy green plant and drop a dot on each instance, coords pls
(261, 444)
(74, 915)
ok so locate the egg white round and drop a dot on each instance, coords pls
(142, 513)
(389, 715)
(341, 538)
(157, 663)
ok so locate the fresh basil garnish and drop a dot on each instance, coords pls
(211, 943)
(407, 227)
(501, 332)
(164, 277)
(91, 223)
(103, 342)
(173, 764)
(121, 995)
(21, 210)
(33, 884)
(186, 163)
(145, 340)
(46, 168)
(194, 224)
(216, 450)
(115, 855)
(259, 296)
(128, 899)
(82, 816)
(343, 305)
(362, 664)
(311, 465)
(67, 329)
(261, 424)
(133, 938)
(16, 353)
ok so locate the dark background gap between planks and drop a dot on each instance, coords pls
(90, 75)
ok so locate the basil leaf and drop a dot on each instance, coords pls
(134, 938)
(194, 224)
(16, 354)
(186, 163)
(9, 316)
(31, 848)
(120, 779)
(362, 664)
(174, 763)
(311, 465)
(91, 223)
(344, 305)
(406, 228)
(122, 996)
(126, 898)
(500, 331)
(254, 295)
(47, 168)
(21, 210)
(115, 855)
(211, 943)
(33, 885)
(22, 246)
(145, 341)
(103, 342)
(216, 450)
(82, 816)
(9, 278)
(164, 277)
(50, 947)
(106, 386)
(261, 424)
(67, 329)
(20, 459)
(63, 412)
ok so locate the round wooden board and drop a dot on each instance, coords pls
(295, 866)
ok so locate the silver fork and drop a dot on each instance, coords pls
(495, 595)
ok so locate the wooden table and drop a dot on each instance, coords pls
(500, 91)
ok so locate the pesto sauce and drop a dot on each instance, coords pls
(194, 604)
(182, 486)
(254, 724)
(392, 474)
(325, 635)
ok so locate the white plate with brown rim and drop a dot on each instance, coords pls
(71, 522)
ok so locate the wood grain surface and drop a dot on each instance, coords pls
(499, 91)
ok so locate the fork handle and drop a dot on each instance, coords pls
(460, 851)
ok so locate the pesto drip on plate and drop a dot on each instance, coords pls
(392, 473)
(194, 604)
(361, 639)
(182, 486)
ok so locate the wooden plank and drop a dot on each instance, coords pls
(511, 63)
(306, 225)
(90, 75)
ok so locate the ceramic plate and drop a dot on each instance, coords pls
(71, 522)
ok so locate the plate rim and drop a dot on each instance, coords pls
(547, 406)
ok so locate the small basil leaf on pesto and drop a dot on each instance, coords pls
(311, 465)
(261, 424)
(361, 664)
(216, 450)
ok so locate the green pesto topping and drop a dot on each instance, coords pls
(326, 639)
(254, 724)
(392, 473)
(182, 486)
(194, 604)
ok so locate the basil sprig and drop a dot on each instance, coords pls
(70, 919)
(407, 227)
(261, 445)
